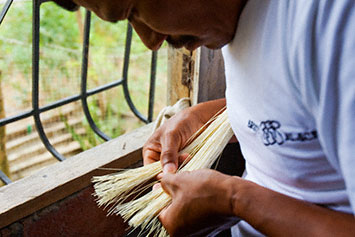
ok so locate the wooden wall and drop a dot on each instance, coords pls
(211, 83)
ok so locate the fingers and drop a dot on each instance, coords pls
(183, 157)
(163, 146)
(169, 154)
(165, 217)
(156, 186)
(151, 149)
(169, 168)
(168, 183)
(167, 141)
(150, 156)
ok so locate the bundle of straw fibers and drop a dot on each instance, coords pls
(117, 190)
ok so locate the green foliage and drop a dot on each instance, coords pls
(60, 65)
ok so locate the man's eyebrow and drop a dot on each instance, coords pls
(67, 4)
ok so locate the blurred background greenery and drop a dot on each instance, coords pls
(61, 36)
(60, 65)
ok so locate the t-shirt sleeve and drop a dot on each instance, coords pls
(334, 86)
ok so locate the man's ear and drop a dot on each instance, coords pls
(67, 4)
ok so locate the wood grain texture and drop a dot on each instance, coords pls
(211, 83)
(4, 165)
(179, 74)
(60, 180)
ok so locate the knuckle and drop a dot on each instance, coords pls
(168, 156)
(171, 133)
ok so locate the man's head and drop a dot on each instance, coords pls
(189, 23)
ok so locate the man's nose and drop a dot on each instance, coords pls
(152, 39)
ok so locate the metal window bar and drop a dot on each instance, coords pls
(37, 110)
(5, 9)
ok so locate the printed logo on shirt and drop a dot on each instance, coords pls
(272, 135)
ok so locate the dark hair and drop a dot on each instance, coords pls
(67, 4)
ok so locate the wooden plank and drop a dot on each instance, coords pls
(211, 83)
(4, 165)
(60, 180)
(180, 74)
(196, 76)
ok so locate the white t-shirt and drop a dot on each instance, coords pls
(291, 97)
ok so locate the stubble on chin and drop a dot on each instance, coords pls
(181, 41)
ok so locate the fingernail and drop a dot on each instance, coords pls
(160, 176)
(156, 186)
(169, 168)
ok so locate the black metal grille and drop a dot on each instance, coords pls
(37, 110)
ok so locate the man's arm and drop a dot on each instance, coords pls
(209, 195)
(275, 214)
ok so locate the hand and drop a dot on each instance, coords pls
(201, 202)
(170, 138)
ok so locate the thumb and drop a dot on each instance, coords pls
(168, 184)
(163, 214)
(169, 155)
(168, 217)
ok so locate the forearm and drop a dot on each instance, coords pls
(275, 214)
(208, 109)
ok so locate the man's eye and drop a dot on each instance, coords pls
(67, 4)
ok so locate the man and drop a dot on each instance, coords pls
(291, 102)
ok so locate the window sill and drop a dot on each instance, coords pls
(51, 184)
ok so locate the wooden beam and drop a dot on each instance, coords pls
(60, 180)
(198, 75)
(4, 165)
(180, 74)
(211, 76)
